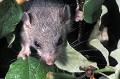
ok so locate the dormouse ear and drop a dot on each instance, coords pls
(65, 13)
(79, 13)
(26, 20)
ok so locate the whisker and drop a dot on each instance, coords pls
(15, 50)
(86, 50)
(81, 36)
(74, 29)
(97, 57)
(79, 43)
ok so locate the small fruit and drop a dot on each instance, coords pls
(21, 1)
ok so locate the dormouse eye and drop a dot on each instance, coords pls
(38, 45)
(60, 41)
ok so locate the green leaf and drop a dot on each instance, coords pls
(116, 54)
(103, 77)
(116, 75)
(118, 45)
(10, 16)
(103, 18)
(92, 10)
(106, 69)
(118, 3)
(31, 68)
(1, 1)
(96, 43)
(72, 60)
(104, 10)
(10, 39)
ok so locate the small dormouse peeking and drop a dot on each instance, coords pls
(45, 25)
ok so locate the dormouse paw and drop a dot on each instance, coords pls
(25, 52)
(24, 55)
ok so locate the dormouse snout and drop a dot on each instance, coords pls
(49, 58)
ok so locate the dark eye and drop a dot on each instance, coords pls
(37, 44)
(60, 41)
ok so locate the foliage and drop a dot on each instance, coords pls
(31, 68)
(115, 54)
(10, 16)
(92, 10)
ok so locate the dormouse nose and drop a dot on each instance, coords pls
(49, 58)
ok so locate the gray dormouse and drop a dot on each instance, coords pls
(45, 26)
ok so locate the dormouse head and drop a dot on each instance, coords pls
(46, 28)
